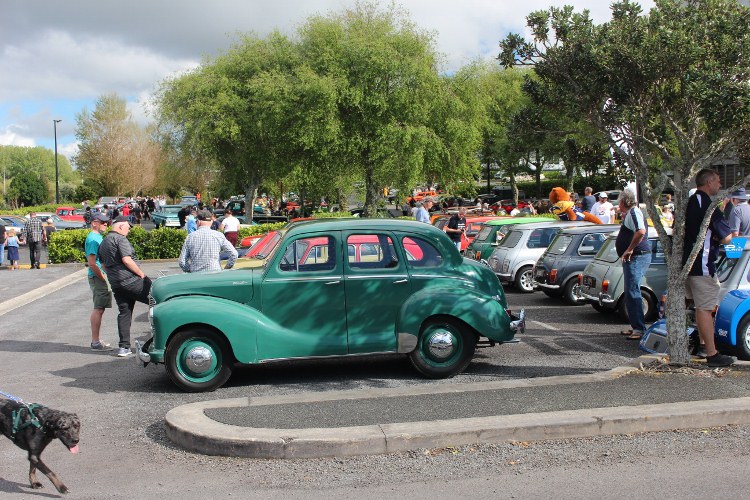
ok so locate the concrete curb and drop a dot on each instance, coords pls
(189, 427)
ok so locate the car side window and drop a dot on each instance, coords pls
(591, 243)
(511, 239)
(421, 253)
(541, 238)
(309, 254)
(371, 251)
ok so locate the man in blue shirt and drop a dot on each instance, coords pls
(97, 280)
(702, 285)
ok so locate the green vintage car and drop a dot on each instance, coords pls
(492, 232)
(332, 287)
(166, 216)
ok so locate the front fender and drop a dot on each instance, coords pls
(486, 315)
(732, 309)
(238, 322)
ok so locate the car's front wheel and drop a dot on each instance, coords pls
(743, 339)
(445, 348)
(198, 360)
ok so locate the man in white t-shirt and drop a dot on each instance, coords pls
(603, 208)
(230, 226)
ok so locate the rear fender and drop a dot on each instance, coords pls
(734, 306)
(481, 312)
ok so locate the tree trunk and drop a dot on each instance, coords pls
(251, 192)
(371, 193)
(514, 187)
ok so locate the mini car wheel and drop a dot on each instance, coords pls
(445, 348)
(525, 279)
(550, 293)
(198, 360)
(743, 339)
(570, 292)
(649, 307)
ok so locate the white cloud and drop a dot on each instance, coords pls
(11, 135)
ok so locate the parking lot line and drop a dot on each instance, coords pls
(42, 291)
(579, 339)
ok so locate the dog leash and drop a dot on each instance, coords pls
(17, 415)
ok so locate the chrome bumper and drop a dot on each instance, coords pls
(601, 299)
(546, 285)
(141, 351)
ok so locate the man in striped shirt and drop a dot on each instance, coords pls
(202, 247)
(35, 235)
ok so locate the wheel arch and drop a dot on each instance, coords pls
(203, 326)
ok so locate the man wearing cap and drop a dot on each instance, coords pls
(603, 208)
(97, 280)
(129, 283)
(739, 218)
(202, 248)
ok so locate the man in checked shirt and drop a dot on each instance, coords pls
(202, 247)
(35, 235)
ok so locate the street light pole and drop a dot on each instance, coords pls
(57, 173)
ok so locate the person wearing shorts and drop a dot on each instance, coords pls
(702, 285)
(100, 292)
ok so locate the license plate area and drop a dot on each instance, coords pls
(589, 282)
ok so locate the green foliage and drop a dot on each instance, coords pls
(139, 238)
(83, 193)
(162, 243)
(27, 188)
(244, 232)
(23, 211)
(331, 215)
(67, 246)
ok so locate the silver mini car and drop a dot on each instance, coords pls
(514, 258)
(602, 283)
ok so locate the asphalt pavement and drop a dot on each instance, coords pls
(604, 389)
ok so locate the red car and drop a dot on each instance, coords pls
(68, 213)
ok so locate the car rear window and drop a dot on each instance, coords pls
(608, 252)
(511, 239)
(560, 244)
(483, 233)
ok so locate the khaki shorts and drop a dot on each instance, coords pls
(704, 291)
(100, 291)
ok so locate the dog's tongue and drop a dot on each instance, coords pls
(74, 449)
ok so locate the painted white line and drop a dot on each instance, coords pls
(578, 338)
(42, 291)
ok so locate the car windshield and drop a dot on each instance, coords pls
(560, 244)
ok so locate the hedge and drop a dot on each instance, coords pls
(162, 243)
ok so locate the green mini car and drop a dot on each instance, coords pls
(332, 287)
(493, 231)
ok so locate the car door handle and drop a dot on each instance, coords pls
(399, 281)
(333, 282)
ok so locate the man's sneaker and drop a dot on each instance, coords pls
(719, 359)
(100, 346)
(123, 352)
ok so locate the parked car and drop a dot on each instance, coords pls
(556, 272)
(493, 231)
(314, 298)
(514, 258)
(59, 223)
(474, 224)
(69, 213)
(189, 200)
(166, 216)
(602, 283)
(16, 222)
(732, 321)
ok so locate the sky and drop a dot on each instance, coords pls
(58, 58)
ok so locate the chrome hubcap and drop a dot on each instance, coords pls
(441, 345)
(199, 359)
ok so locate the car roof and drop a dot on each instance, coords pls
(518, 220)
(597, 228)
(552, 223)
(651, 232)
(357, 223)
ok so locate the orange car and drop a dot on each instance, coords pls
(421, 195)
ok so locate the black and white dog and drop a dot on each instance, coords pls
(32, 428)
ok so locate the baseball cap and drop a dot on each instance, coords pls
(203, 215)
(603, 194)
(100, 217)
(121, 218)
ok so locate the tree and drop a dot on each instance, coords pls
(27, 189)
(114, 153)
(668, 89)
(38, 160)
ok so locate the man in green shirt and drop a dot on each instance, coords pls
(97, 280)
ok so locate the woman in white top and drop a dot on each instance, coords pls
(230, 226)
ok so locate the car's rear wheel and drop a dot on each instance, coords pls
(550, 293)
(198, 360)
(445, 348)
(525, 279)
(649, 307)
(570, 292)
(600, 308)
(743, 339)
